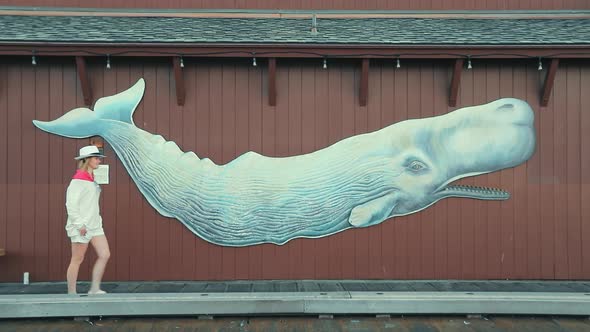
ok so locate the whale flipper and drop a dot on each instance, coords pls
(372, 212)
(121, 106)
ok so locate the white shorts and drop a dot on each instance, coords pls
(90, 233)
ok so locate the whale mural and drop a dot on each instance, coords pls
(357, 182)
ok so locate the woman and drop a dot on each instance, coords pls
(84, 223)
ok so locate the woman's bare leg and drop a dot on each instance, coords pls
(78, 252)
(101, 246)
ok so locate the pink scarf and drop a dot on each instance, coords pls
(83, 175)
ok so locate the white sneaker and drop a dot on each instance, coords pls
(100, 291)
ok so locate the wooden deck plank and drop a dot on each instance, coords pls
(378, 286)
(400, 287)
(163, 287)
(298, 286)
(331, 287)
(240, 287)
(194, 287)
(127, 287)
(262, 287)
(216, 287)
(288, 287)
(309, 286)
(422, 286)
(354, 286)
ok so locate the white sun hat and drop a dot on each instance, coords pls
(89, 151)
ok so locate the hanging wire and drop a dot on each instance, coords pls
(304, 53)
(310, 54)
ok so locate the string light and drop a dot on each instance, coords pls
(397, 56)
(83, 52)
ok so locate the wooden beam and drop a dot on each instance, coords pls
(284, 14)
(282, 50)
(84, 81)
(364, 86)
(179, 81)
(549, 80)
(272, 81)
(285, 50)
(456, 82)
(97, 141)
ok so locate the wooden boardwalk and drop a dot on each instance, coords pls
(272, 286)
(298, 298)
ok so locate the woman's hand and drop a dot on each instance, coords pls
(83, 231)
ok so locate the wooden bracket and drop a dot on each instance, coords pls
(456, 82)
(272, 81)
(84, 81)
(549, 80)
(179, 80)
(364, 86)
(97, 141)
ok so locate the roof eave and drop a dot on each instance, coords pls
(294, 50)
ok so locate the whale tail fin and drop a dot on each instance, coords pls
(81, 122)
(120, 107)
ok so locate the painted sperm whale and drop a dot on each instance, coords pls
(357, 182)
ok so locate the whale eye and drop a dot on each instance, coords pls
(416, 166)
(506, 107)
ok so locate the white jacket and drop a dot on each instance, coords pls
(82, 205)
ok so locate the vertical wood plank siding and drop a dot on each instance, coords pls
(314, 5)
(542, 232)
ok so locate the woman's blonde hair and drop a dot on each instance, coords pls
(83, 164)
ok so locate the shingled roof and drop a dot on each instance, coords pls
(350, 31)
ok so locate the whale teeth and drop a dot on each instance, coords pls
(477, 191)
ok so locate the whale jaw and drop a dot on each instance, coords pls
(466, 191)
(474, 192)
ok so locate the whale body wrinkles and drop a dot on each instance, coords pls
(226, 203)
(358, 181)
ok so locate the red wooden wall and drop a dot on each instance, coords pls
(311, 4)
(542, 232)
